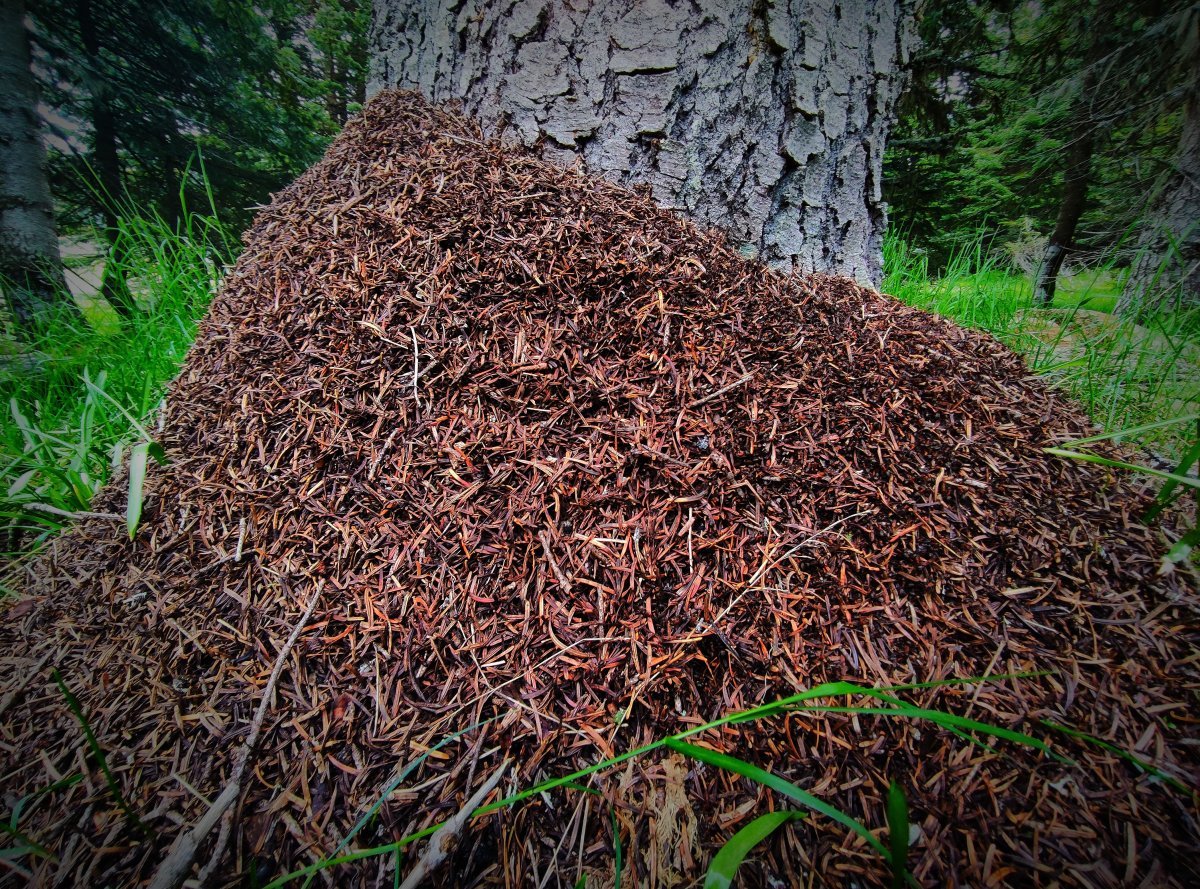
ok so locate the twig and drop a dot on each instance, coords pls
(67, 514)
(558, 574)
(439, 843)
(416, 367)
(175, 867)
(741, 381)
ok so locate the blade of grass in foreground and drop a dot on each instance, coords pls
(724, 865)
(897, 821)
(789, 704)
(12, 827)
(732, 764)
(1134, 431)
(616, 829)
(396, 782)
(94, 746)
(1164, 498)
(1149, 768)
(1188, 480)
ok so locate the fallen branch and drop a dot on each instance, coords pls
(741, 381)
(439, 843)
(178, 863)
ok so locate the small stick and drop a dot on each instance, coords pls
(416, 366)
(439, 843)
(558, 573)
(67, 514)
(741, 381)
(178, 863)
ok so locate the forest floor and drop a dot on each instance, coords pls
(1124, 374)
(566, 478)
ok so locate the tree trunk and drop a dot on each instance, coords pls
(30, 263)
(766, 119)
(1166, 271)
(1076, 176)
(107, 160)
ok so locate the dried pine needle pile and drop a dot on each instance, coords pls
(556, 459)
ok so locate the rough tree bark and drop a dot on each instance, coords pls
(767, 118)
(29, 259)
(1167, 267)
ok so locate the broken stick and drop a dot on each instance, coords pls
(178, 863)
(439, 843)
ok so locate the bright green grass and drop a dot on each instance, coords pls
(74, 391)
(1124, 374)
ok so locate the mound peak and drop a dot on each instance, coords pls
(567, 469)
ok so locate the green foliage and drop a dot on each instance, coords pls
(1001, 90)
(736, 766)
(897, 821)
(1126, 375)
(886, 704)
(23, 844)
(259, 88)
(97, 752)
(727, 861)
(724, 865)
(94, 379)
(1169, 494)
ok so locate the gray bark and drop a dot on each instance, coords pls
(1166, 270)
(30, 263)
(766, 119)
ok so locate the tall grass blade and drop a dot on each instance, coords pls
(768, 779)
(97, 751)
(897, 821)
(139, 455)
(1183, 547)
(1133, 432)
(793, 703)
(1190, 481)
(12, 826)
(724, 865)
(946, 721)
(618, 863)
(1165, 498)
(388, 790)
(1147, 767)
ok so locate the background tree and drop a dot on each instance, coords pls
(766, 119)
(1054, 115)
(255, 90)
(30, 266)
(338, 33)
(1166, 266)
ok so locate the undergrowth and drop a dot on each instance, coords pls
(76, 389)
(1126, 375)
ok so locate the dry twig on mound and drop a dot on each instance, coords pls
(176, 866)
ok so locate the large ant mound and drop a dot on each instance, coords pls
(567, 474)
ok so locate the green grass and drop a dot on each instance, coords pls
(723, 867)
(831, 697)
(1124, 374)
(78, 392)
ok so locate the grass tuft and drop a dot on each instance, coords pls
(78, 388)
(1127, 374)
